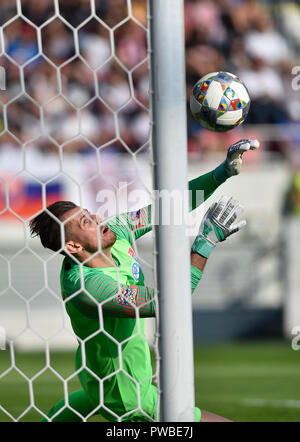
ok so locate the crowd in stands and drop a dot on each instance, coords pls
(84, 76)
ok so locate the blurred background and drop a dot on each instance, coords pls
(74, 119)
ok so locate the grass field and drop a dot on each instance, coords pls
(249, 381)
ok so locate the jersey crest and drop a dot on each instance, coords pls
(136, 271)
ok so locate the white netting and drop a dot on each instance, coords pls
(74, 121)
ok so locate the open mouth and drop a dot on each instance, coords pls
(105, 230)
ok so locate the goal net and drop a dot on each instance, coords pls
(74, 126)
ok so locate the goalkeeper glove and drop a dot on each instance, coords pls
(218, 223)
(232, 165)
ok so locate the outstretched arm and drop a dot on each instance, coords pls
(114, 299)
(119, 300)
(231, 166)
(139, 222)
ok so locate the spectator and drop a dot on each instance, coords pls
(98, 72)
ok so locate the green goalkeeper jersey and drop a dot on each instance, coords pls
(102, 304)
(114, 292)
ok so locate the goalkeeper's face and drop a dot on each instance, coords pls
(86, 232)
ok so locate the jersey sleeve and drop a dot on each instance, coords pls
(119, 300)
(202, 188)
(196, 275)
(135, 223)
(139, 222)
(113, 298)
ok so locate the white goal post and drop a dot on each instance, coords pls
(169, 138)
(40, 135)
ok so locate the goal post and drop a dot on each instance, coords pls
(169, 144)
(76, 94)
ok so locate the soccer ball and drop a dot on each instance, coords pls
(220, 101)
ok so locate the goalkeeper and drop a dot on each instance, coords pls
(103, 293)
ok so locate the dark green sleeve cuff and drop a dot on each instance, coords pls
(202, 188)
(196, 275)
(220, 174)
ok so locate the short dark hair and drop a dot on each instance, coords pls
(48, 228)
